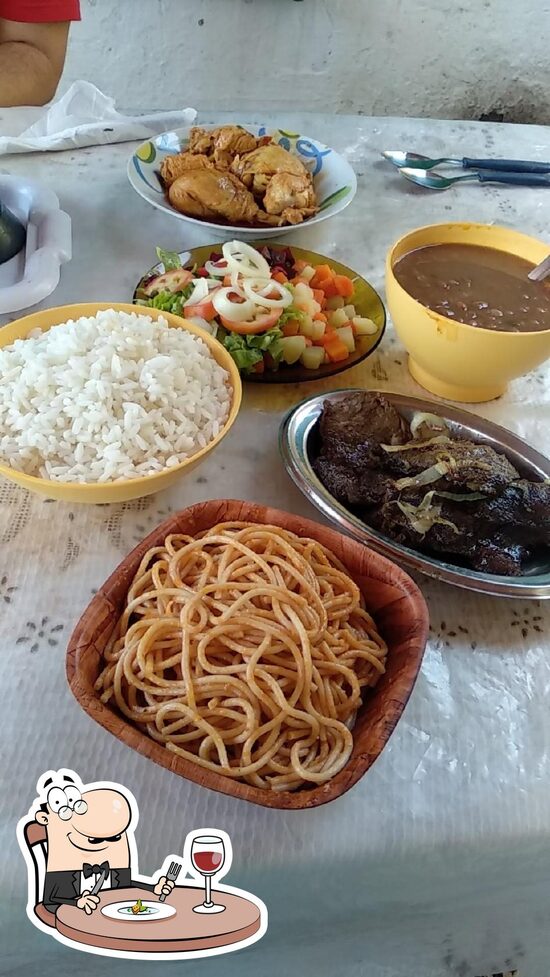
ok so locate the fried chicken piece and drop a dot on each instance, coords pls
(234, 140)
(256, 168)
(223, 143)
(173, 166)
(213, 195)
(292, 216)
(285, 192)
(200, 140)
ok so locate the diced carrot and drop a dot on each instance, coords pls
(321, 271)
(298, 281)
(318, 281)
(321, 316)
(344, 285)
(327, 286)
(327, 336)
(280, 277)
(336, 350)
(291, 328)
(319, 295)
(299, 265)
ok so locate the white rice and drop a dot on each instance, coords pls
(115, 396)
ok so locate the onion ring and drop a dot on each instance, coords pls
(233, 311)
(246, 260)
(256, 294)
(216, 268)
(199, 293)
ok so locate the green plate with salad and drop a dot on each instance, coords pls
(286, 315)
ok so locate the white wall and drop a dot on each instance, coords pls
(442, 58)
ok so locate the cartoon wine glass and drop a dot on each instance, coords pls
(208, 856)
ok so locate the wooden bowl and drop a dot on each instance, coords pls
(391, 597)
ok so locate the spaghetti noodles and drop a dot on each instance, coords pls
(245, 650)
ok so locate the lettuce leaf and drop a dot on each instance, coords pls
(291, 312)
(249, 350)
(170, 259)
(169, 301)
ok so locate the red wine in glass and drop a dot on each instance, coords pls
(207, 862)
(208, 856)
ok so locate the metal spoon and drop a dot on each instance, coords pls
(435, 181)
(540, 271)
(419, 162)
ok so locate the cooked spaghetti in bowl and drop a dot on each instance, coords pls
(249, 699)
(245, 649)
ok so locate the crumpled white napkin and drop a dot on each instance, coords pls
(84, 116)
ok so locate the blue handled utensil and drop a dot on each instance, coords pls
(419, 162)
(435, 181)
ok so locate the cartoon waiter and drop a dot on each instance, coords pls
(89, 843)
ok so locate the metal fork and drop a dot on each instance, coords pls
(172, 874)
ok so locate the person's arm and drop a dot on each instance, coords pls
(31, 61)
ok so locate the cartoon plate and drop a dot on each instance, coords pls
(124, 911)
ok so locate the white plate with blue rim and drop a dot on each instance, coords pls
(334, 180)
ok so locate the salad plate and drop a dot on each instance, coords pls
(262, 357)
(334, 179)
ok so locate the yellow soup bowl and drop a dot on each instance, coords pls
(450, 359)
(124, 489)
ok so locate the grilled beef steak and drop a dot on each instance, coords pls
(487, 517)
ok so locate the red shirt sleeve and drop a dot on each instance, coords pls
(39, 11)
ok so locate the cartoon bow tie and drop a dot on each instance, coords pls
(88, 869)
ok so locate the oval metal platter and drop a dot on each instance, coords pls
(297, 437)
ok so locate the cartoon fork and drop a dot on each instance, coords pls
(173, 872)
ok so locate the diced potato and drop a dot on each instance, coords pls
(307, 273)
(364, 326)
(338, 318)
(347, 337)
(350, 311)
(302, 292)
(293, 347)
(306, 327)
(318, 329)
(312, 357)
(335, 302)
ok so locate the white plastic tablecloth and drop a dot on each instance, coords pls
(438, 861)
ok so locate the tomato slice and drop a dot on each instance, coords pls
(261, 324)
(204, 309)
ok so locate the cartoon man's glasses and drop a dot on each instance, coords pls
(66, 802)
